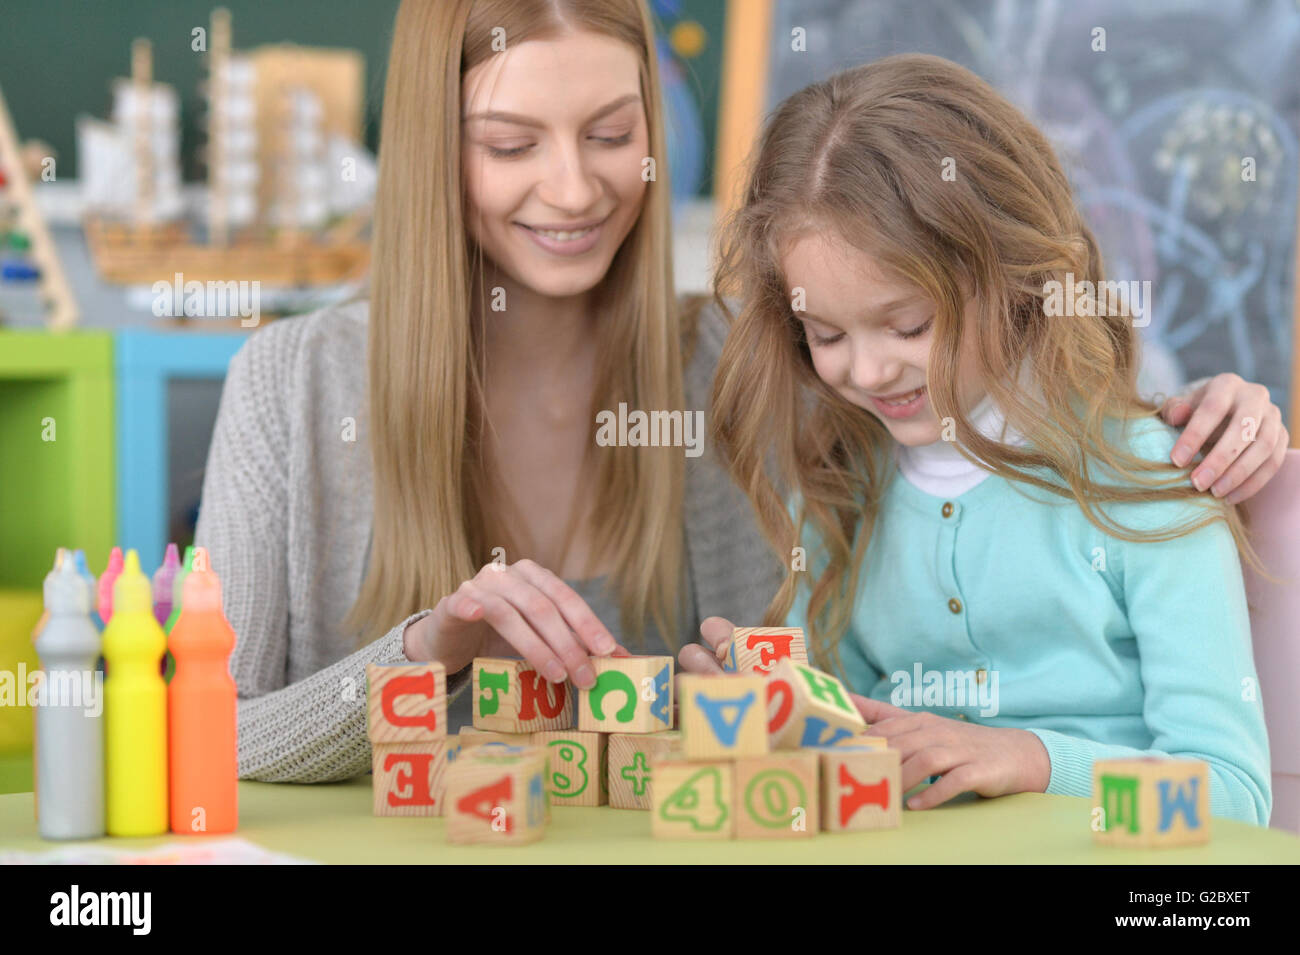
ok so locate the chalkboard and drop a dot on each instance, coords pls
(58, 57)
(1152, 130)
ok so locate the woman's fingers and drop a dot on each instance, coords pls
(1264, 474)
(503, 617)
(696, 659)
(541, 619)
(1213, 404)
(1257, 454)
(716, 631)
(593, 634)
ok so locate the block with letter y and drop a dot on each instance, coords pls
(1150, 802)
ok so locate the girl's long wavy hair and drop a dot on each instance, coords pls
(862, 156)
(439, 513)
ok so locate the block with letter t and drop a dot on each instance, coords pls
(809, 708)
(511, 697)
(755, 650)
(1150, 802)
(631, 695)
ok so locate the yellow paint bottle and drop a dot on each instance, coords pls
(135, 710)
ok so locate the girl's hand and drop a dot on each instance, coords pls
(707, 659)
(1250, 439)
(987, 760)
(520, 609)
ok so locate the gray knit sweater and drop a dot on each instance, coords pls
(286, 515)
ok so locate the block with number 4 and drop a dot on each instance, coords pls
(1150, 802)
(692, 800)
(631, 695)
(861, 789)
(410, 779)
(497, 797)
(723, 716)
(755, 650)
(576, 774)
(511, 697)
(629, 757)
(808, 708)
(777, 795)
(406, 702)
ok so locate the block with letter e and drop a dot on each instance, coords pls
(755, 650)
(723, 716)
(406, 702)
(861, 788)
(808, 708)
(497, 796)
(1150, 802)
(511, 697)
(631, 695)
(409, 778)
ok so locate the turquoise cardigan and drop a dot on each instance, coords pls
(1004, 606)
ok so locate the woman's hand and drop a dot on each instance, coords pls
(988, 760)
(519, 609)
(1250, 439)
(707, 659)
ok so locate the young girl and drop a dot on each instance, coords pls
(992, 526)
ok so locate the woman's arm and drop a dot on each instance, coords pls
(313, 730)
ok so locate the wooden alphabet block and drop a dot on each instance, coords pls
(468, 738)
(809, 708)
(406, 702)
(576, 774)
(629, 757)
(865, 741)
(777, 795)
(861, 789)
(692, 800)
(755, 650)
(497, 797)
(409, 778)
(723, 716)
(511, 697)
(1150, 802)
(631, 695)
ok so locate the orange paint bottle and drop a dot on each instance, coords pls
(202, 710)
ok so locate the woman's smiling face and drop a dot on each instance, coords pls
(553, 137)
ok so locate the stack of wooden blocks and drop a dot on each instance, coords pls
(772, 749)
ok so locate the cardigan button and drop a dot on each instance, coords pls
(946, 510)
(981, 675)
(961, 716)
(954, 605)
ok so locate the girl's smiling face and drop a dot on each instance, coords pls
(554, 134)
(870, 334)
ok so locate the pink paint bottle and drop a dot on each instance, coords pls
(106, 582)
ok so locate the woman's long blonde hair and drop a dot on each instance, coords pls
(435, 498)
(862, 156)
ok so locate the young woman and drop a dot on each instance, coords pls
(416, 477)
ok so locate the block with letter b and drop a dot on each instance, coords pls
(777, 795)
(1150, 802)
(809, 708)
(406, 702)
(861, 788)
(497, 796)
(755, 650)
(723, 716)
(511, 697)
(692, 800)
(409, 778)
(631, 695)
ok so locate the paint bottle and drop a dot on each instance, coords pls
(135, 709)
(69, 752)
(201, 710)
(178, 588)
(164, 580)
(60, 556)
(106, 581)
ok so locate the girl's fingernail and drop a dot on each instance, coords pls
(553, 672)
(913, 803)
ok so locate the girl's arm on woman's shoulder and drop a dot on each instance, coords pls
(1186, 605)
(313, 730)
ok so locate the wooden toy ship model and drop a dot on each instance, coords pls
(289, 195)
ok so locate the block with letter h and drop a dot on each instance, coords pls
(755, 650)
(511, 697)
(406, 720)
(807, 708)
(1149, 802)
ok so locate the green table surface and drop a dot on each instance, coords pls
(333, 823)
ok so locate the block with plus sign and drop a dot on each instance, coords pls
(861, 788)
(755, 650)
(629, 756)
(809, 708)
(511, 697)
(1151, 802)
(631, 695)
